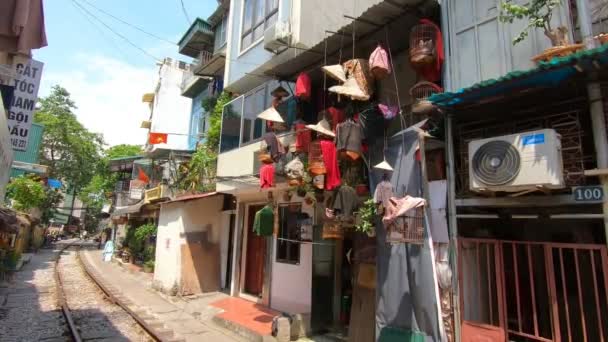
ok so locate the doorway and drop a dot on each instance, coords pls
(533, 291)
(254, 257)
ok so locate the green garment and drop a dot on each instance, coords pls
(391, 334)
(263, 223)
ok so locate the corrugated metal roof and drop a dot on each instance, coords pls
(192, 197)
(545, 74)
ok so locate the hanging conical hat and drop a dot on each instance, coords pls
(271, 114)
(335, 71)
(322, 127)
(384, 166)
(351, 89)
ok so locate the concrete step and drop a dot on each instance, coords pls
(240, 330)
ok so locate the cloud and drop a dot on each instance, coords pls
(108, 93)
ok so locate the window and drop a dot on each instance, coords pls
(255, 103)
(231, 125)
(257, 17)
(220, 33)
(290, 221)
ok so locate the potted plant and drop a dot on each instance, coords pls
(366, 216)
(148, 266)
(538, 14)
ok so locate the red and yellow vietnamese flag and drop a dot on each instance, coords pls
(142, 176)
(157, 138)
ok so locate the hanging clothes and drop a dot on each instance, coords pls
(302, 136)
(336, 116)
(263, 223)
(383, 192)
(267, 176)
(349, 136)
(432, 72)
(303, 86)
(345, 201)
(21, 26)
(274, 145)
(379, 64)
(401, 206)
(330, 159)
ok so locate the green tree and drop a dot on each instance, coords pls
(538, 13)
(49, 206)
(68, 148)
(26, 193)
(198, 175)
(212, 138)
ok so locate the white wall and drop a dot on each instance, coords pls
(168, 255)
(171, 111)
(291, 285)
(180, 218)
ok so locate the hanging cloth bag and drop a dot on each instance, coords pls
(303, 86)
(378, 63)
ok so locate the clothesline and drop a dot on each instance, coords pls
(307, 242)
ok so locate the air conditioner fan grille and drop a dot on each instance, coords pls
(496, 163)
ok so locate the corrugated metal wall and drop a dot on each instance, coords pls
(481, 45)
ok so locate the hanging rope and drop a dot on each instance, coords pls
(325, 74)
(390, 57)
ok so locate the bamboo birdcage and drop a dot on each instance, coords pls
(264, 153)
(420, 94)
(407, 229)
(316, 166)
(423, 47)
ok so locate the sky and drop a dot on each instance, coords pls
(105, 75)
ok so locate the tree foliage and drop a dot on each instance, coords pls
(212, 138)
(538, 14)
(198, 175)
(68, 148)
(26, 193)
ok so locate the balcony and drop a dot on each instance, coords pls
(199, 37)
(210, 64)
(192, 85)
(156, 194)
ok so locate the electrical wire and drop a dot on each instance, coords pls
(128, 24)
(116, 33)
(106, 38)
(185, 12)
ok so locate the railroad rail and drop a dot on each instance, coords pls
(63, 303)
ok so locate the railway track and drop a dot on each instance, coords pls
(90, 311)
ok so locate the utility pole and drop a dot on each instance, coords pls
(596, 107)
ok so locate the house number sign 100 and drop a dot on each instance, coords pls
(588, 193)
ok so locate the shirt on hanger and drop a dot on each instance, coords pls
(263, 222)
(267, 176)
(345, 201)
(384, 191)
(349, 136)
(330, 159)
(302, 136)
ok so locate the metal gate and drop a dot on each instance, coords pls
(530, 291)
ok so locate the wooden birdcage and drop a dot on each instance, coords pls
(264, 153)
(408, 228)
(423, 45)
(332, 229)
(420, 94)
(316, 166)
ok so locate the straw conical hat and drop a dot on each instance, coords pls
(335, 71)
(322, 127)
(351, 89)
(271, 114)
(384, 166)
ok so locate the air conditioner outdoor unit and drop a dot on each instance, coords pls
(517, 162)
(277, 36)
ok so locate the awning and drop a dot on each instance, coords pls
(132, 209)
(186, 198)
(369, 30)
(546, 74)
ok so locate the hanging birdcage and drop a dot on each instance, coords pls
(264, 153)
(408, 228)
(332, 229)
(423, 45)
(316, 166)
(420, 93)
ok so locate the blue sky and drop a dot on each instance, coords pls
(105, 75)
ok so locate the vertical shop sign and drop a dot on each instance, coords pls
(21, 110)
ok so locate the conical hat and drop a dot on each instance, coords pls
(322, 127)
(384, 166)
(279, 92)
(335, 71)
(271, 114)
(351, 89)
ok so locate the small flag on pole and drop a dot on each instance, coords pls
(157, 138)
(142, 176)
